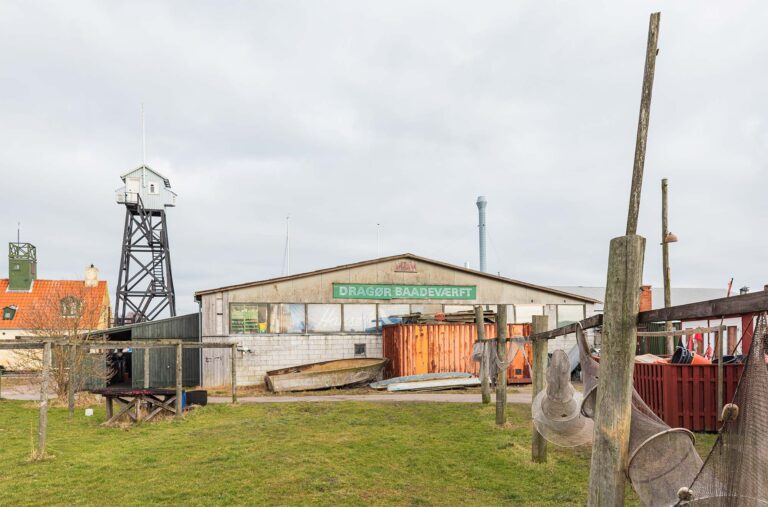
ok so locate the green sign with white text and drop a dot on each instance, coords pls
(394, 291)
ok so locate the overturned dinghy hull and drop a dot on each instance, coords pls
(325, 375)
(417, 378)
(434, 385)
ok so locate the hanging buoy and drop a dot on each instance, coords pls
(730, 412)
(685, 494)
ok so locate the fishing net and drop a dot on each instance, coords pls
(660, 458)
(556, 409)
(736, 470)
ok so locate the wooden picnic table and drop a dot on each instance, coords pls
(138, 404)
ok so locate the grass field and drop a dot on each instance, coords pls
(352, 453)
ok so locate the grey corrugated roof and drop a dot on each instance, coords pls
(680, 295)
(397, 257)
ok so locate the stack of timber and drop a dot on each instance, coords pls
(463, 317)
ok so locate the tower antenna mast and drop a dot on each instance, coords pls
(143, 138)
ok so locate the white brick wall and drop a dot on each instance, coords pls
(274, 351)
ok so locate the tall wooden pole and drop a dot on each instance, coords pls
(179, 374)
(501, 376)
(485, 385)
(72, 378)
(234, 373)
(42, 427)
(665, 261)
(539, 366)
(642, 124)
(719, 354)
(610, 448)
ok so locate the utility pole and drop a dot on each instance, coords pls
(665, 260)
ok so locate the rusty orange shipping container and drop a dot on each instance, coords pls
(414, 349)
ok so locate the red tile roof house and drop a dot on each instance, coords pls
(30, 307)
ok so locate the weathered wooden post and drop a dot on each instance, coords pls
(501, 355)
(146, 368)
(71, 380)
(539, 366)
(485, 386)
(622, 303)
(234, 373)
(42, 427)
(719, 354)
(665, 262)
(179, 374)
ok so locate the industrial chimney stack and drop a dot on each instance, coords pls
(481, 204)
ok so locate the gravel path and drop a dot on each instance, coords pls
(519, 398)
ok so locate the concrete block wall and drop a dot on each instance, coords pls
(275, 351)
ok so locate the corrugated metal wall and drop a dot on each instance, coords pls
(162, 362)
(433, 348)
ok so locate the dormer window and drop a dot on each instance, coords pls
(70, 306)
(9, 312)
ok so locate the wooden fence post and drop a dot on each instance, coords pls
(146, 368)
(42, 428)
(234, 373)
(485, 385)
(614, 389)
(719, 341)
(72, 378)
(539, 367)
(179, 374)
(501, 377)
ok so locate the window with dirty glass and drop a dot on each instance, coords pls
(568, 314)
(287, 318)
(359, 318)
(524, 313)
(390, 314)
(248, 318)
(70, 306)
(323, 318)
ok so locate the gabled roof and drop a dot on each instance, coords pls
(408, 256)
(166, 181)
(43, 297)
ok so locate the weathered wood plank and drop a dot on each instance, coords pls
(501, 377)
(179, 359)
(722, 307)
(680, 332)
(588, 323)
(642, 123)
(539, 367)
(234, 372)
(485, 387)
(614, 393)
(42, 426)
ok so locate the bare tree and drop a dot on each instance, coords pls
(72, 314)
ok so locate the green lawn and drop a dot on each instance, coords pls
(352, 453)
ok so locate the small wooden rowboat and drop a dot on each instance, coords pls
(338, 373)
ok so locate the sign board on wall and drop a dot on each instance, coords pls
(396, 291)
(405, 267)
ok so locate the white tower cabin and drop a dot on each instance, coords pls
(153, 188)
(145, 283)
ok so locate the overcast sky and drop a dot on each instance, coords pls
(348, 114)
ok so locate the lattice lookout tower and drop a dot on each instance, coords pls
(145, 283)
